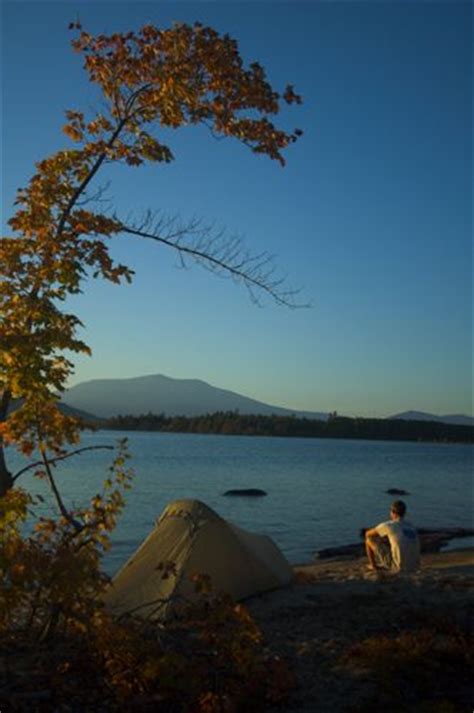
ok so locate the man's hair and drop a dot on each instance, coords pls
(399, 508)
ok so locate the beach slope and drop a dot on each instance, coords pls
(357, 642)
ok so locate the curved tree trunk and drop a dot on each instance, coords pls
(6, 481)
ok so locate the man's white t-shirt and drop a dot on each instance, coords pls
(404, 544)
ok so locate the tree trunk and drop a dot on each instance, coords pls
(6, 480)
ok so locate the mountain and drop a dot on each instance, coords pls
(162, 394)
(191, 397)
(456, 419)
(68, 410)
(78, 413)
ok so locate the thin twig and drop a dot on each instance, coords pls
(53, 461)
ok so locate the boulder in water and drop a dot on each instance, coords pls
(397, 491)
(246, 492)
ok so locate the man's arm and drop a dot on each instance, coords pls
(371, 533)
(371, 544)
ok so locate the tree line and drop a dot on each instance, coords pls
(235, 423)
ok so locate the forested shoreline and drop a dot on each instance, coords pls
(232, 423)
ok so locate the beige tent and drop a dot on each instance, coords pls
(197, 541)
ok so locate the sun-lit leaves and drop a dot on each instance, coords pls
(53, 575)
(73, 133)
(13, 511)
(186, 74)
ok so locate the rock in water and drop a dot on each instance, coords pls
(396, 491)
(246, 492)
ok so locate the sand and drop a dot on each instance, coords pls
(335, 603)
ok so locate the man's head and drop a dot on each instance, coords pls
(398, 509)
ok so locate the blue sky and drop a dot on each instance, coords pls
(371, 216)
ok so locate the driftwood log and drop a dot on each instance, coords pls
(431, 540)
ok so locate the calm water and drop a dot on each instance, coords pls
(320, 492)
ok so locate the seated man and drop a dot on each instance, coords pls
(402, 553)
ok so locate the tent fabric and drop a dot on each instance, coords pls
(195, 540)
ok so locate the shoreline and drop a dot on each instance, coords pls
(441, 441)
(432, 540)
(460, 558)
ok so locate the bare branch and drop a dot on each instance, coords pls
(223, 255)
(53, 461)
(64, 511)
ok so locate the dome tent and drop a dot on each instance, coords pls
(195, 540)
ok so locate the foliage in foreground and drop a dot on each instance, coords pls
(59, 647)
(211, 660)
(428, 668)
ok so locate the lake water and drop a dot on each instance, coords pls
(320, 492)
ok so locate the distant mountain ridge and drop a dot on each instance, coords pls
(455, 418)
(157, 394)
(162, 394)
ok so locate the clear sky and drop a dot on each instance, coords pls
(371, 216)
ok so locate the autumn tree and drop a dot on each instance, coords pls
(149, 80)
(50, 579)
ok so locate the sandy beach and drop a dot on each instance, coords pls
(335, 605)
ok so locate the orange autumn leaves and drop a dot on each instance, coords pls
(187, 74)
